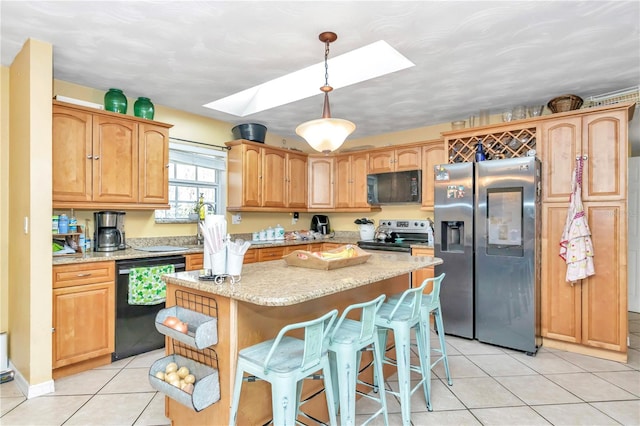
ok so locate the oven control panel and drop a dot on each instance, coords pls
(405, 225)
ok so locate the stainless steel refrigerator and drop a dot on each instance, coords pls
(487, 222)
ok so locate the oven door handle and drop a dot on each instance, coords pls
(127, 270)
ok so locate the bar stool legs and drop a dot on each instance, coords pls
(347, 340)
(430, 304)
(285, 362)
(400, 317)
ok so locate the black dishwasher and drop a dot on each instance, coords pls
(135, 330)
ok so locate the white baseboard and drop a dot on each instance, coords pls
(31, 391)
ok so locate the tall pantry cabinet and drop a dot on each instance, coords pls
(588, 316)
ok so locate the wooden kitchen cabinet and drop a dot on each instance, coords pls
(107, 160)
(271, 253)
(261, 178)
(194, 262)
(153, 161)
(250, 256)
(417, 277)
(601, 139)
(321, 182)
(296, 189)
(83, 316)
(395, 159)
(433, 153)
(591, 312)
(589, 316)
(351, 173)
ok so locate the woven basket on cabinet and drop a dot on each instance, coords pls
(565, 103)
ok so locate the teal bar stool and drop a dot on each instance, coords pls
(431, 306)
(285, 362)
(347, 339)
(401, 316)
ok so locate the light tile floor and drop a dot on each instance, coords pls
(491, 386)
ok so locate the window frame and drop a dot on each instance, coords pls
(205, 149)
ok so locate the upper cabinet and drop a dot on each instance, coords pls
(432, 155)
(321, 182)
(601, 140)
(395, 159)
(351, 172)
(108, 160)
(263, 178)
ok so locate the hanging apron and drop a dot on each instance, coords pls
(576, 248)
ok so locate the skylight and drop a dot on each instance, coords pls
(365, 63)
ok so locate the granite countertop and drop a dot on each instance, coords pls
(132, 253)
(274, 283)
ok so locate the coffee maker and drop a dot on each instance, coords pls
(109, 231)
(320, 223)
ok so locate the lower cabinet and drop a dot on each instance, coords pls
(271, 253)
(194, 262)
(83, 316)
(592, 312)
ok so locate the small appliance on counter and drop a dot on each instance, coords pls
(109, 231)
(320, 223)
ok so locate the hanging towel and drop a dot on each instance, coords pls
(576, 248)
(145, 285)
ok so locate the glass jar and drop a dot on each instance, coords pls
(143, 108)
(115, 101)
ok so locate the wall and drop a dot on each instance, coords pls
(202, 129)
(4, 199)
(29, 283)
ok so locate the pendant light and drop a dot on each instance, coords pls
(326, 134)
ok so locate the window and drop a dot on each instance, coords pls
(194, 170)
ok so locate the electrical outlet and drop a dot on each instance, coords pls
(236, 218)
(294, 220)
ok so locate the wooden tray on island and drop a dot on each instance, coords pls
(307, 259)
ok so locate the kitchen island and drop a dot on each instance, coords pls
(269, 296)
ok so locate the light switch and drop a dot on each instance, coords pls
(236, 218)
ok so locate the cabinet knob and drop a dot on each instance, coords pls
(96, 157)
(89, 157)
(166, 166)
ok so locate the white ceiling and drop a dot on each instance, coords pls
(469, 55)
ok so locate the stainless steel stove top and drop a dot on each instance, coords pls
(402, 234)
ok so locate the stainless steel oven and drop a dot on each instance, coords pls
(401, 235)
(135, 324)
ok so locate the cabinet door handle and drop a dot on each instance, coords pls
(96, 157)
(585, 157)
(86, 274)
(166, 166)
(89, 157)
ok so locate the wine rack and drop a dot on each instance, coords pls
(505, 144)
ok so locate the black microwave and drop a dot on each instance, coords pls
(395, 188)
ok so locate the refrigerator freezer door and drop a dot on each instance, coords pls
(453, 210)
(507, 276)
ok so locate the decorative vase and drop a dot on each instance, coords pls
(143, 108)
(116, 101)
